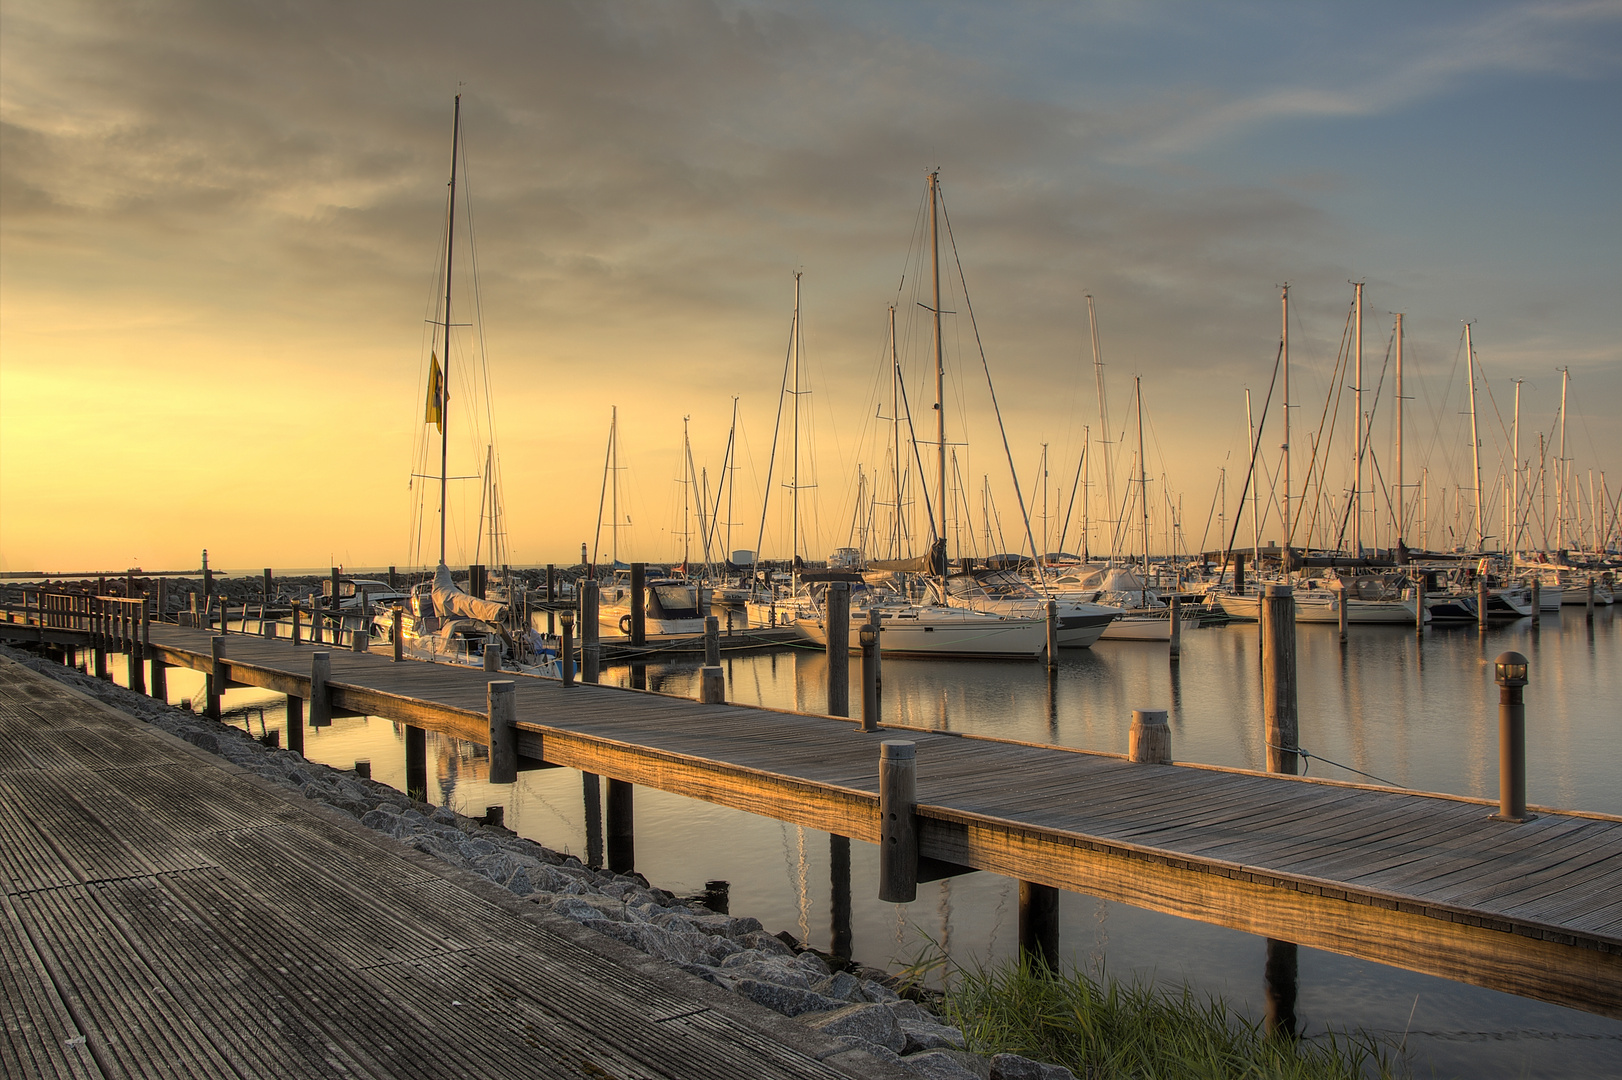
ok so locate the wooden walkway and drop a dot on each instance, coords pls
(166, 915)
(1427, 882)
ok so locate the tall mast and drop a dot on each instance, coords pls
(1475, 441)
(1402, 507)
(1515, 491)
(1560, 469)
(445, 379)
(940, 367)
(1103, 419)
(730, 479)
(1357, 392)
(895, 439)
(686, 492)
(1284, 340)
(1143, 476)
(794, 515)
(1086, 491)
(614, 449)
(1255, 491)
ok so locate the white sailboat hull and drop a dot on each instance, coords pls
(1326, 609)
(943, 633)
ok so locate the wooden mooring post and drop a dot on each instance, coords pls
(320, 697)
(591, 789)
(872, 683)
(1537, 602)
(1419, 603)
(295, 723)
(501, 706)
(836, 604)
(395, 637)
(1176, 616)
(898, 828)
(1053, 635)
(416, 762)
(840, 903)
(1039, 924)
(590, 650)
(639, 606)
(214, 678)
(712, 684)
(1481, 605)
(492, 657)
(712, 641)
(566, 652)
(1279, 711)
(1149, 741)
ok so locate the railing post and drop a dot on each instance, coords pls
(318, 635)
(320, 697)
(1150, 739)
(1278, 678)
(898, 828)
(871, 682)
(501, 705)
(295, 622)
(836, 604)
(137, 653)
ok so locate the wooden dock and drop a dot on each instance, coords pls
(1427, 882)
(168, 915)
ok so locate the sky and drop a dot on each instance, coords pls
(222, 235)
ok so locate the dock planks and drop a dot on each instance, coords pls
(1426, 882)
(165, 915)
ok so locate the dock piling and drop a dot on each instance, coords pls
(1419, 603)
(712, 641)
(1481, 605)
(320, 697)
(501, 706)
(1053, 635)
(591, 789)
(712, 684)
(590, 651)
(1149, 741)
(1039, 924)
(1590, 599)
(295, 723)
(1537, 602)
(318, 635)
(1279, 707)
(214, 680)
(492, 657)
(394, 634)
(639, 605)
(836, 604)
(416, 755)
(898, 831)
(840, 906)
(871, 702)
(1176, 628)
(566, 653)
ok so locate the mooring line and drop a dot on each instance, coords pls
(1308, 756)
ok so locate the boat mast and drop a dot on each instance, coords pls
(1255, 492)
(1284, 303)
(940, 368)
(445, 379)
(1515, 491)
(1103, 420)
(614, 449)
(1560, 469)
(794, 516)
(1357, 392)
(1475, 441)
(1086, 491)
(1402, 506)
(1143, 477)
(895, 440)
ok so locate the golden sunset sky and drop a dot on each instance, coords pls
(222, 225)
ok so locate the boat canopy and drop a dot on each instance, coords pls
(450, 600)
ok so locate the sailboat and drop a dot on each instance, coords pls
(440, 621)
(907, 628)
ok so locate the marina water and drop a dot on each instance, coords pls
(1417, 714)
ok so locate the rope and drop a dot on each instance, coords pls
(1308, 756)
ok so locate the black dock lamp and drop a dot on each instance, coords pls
(1510, 670)
(566, 653)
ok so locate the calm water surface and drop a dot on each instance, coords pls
(1421, 715)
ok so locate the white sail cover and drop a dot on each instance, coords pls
(450, 601)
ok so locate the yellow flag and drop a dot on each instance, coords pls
(435, 413)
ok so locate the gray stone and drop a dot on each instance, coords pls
(868, 1022)
(381, 821)
(203, 741)
(766, 968)
(784, 999)
(910, 1010)
(948, 1065)
(927, 1035)
(436, 846)
(883, 1053)
(578, 908)
(844, 986)
(1014, 1067)
(766, 943)
(877, 991)
(813, 965)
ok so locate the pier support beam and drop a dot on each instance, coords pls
(1039, 924)
(160, 680)
(1281, 982)
(295, 723)
(416, 755)
(621, 827)
(591, 788)
(840, 906)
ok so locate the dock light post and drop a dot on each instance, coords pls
(1510, 669)
(566, 653)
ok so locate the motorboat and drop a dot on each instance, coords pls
(938, 632)
(671, 605)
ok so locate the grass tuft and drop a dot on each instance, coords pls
(1105, 1029)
